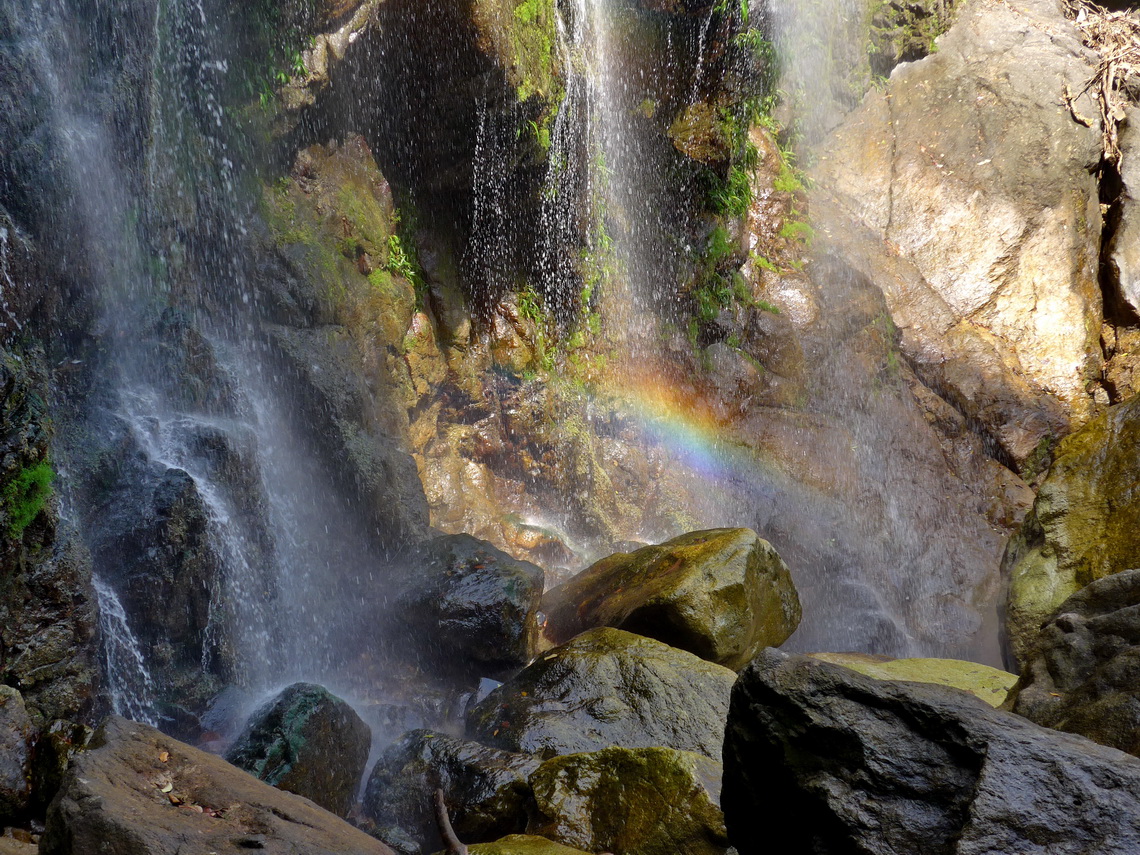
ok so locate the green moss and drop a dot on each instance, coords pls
(798, 230)
(532, 38)
(25, 496)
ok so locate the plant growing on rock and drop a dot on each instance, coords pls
(25, 496)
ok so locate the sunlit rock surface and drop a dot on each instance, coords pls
(896, 768)
(1085, 523)
(722, 594)
(607, 687)
(140, 791)
(309, 742)
(971, 166)
(989, 684)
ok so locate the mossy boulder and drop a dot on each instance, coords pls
(607, 687)
(485, 789)
(722, 594)
(992, 685)
(472, 606)
(643, 801)
(523, 844)
(1085, 523)
(309, 742)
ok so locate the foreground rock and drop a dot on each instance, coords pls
(722, 594)
(897, 768)
(472, 603)
(113, 801)
(485, 789)
(1085, 523)
(15, 756)
(608, 687)
(990, 684)
(523, 844)
(642, 801)
(309, 742)
(936, 165)
(1082, 674)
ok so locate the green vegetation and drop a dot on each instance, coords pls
(25, 495)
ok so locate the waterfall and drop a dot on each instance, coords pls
(129, 683)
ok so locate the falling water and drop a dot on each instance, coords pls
(130, 686)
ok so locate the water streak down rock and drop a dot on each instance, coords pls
(821, 760)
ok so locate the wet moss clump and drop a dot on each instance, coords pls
(25, 496)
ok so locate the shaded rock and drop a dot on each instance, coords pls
(1081, 672)
(472, 603)
(309, 742)
(485, 789)
(648, 801)
(990, 684)
(15, 756)
(607, 687)
(523, 844)
(1085, 522)
(112, 801)
(722, 594)
(935, 164)
(905, 31)
(895, 768)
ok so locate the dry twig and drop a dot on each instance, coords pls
(1115, 36)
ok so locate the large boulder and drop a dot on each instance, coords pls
(1081, 673)
(722, 594)
(309, 742)
(15, 756)
(895, 768)
(139, 792)
(992, 685)
(470, 604)
(1085, 522)
(607, 687)
(935, 164)
(639, 801)
(485, 789)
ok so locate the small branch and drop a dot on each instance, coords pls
(454, 847)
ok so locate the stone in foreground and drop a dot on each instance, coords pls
(607, 687)
(820, 759)
(309, 742)
(992, 685)
(113, 801)
(523, 844)
(15, 756)
(638, 801)
(485, 790)
(1082, 675)
(722, 594)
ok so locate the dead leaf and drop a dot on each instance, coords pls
(168, 788)
(163, 756)
(174, 800)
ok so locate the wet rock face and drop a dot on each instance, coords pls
(722, 594)
(309, 742)
(475, 604)
(607, 687)
(47, 603)
(112, 800)
(1085, 522)
(897, 768)
(642, 801)
(15, 756)
(485, 789)
(935, 164)
(1081, 671)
